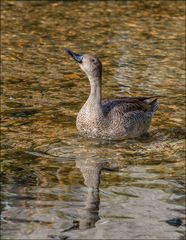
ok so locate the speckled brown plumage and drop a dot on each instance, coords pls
(127, 117)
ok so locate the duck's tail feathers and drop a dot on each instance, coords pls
(153, 106)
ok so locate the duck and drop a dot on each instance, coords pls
(115, 119)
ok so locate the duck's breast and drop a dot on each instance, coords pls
(89, 121)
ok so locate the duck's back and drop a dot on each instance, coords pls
(129, 116)
(130, 104)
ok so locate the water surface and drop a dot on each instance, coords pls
(58, 185)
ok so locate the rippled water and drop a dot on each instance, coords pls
(58, 185)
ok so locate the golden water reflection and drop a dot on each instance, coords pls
(141, 45)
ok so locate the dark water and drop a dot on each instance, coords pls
(58, 185)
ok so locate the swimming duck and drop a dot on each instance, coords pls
(127, 117)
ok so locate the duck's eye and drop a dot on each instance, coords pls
(93, 60)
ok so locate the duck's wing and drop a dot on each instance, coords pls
(131, 104)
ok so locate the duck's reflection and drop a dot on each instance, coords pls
(89, 214)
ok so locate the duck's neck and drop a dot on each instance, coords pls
(95, 90)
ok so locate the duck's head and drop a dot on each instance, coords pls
(89, 64)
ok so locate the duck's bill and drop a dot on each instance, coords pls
(78, 58)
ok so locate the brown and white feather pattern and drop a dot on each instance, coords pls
(120, 118)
